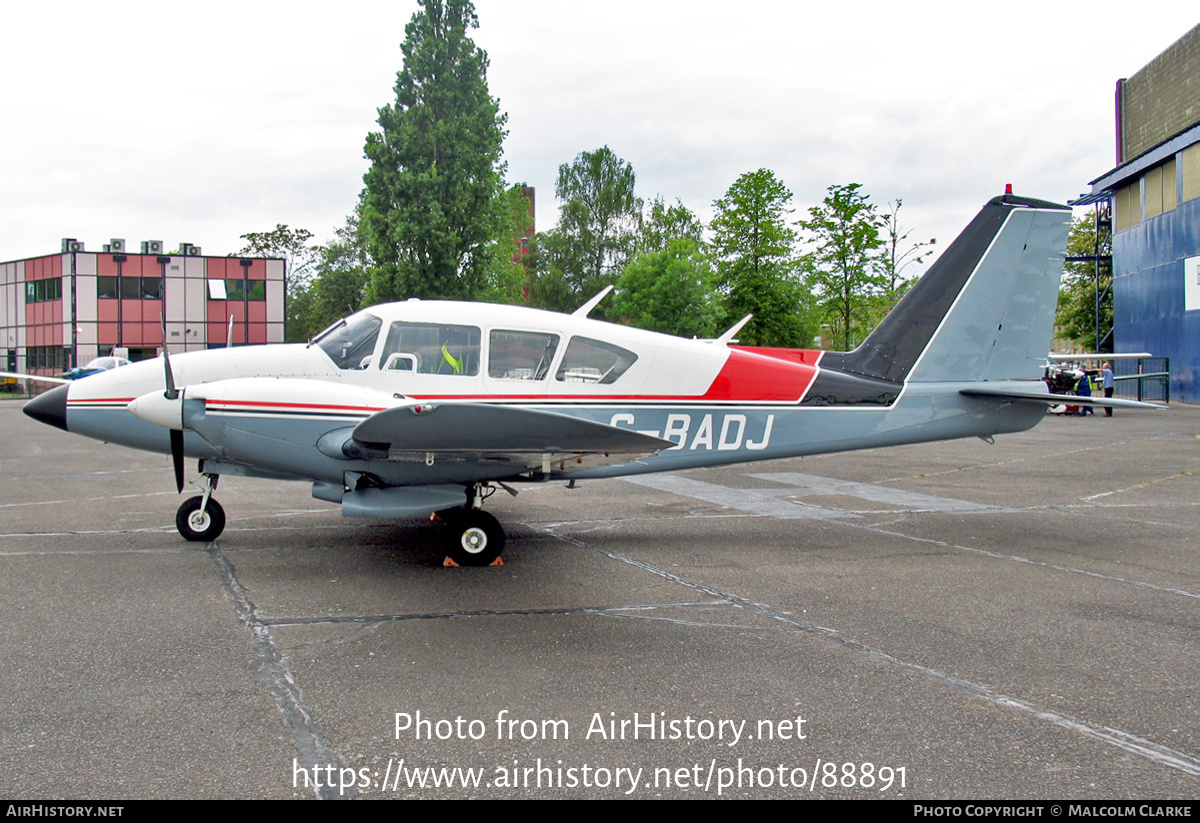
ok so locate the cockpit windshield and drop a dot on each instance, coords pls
(351, 342)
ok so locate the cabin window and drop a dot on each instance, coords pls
(520, 355)
(591, 361)
(351, 342)
(428, 348)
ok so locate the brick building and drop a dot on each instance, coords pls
(62, 310)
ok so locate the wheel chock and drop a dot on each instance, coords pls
(450, 564)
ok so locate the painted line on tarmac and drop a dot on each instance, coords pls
(1105, 734)
(762, 502)
(766, 503)
(914, 501)
(1029, 562)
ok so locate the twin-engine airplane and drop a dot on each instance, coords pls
(414, 408)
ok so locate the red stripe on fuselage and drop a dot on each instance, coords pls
(750, 376)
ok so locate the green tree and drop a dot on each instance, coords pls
(596, 232)
(671, 290)
(551, 256)
(507, 277)
(662, 223)
(1076, 318)
(432, 203)
(844, 267)
(756, 264)
(342, 271)
(299, 264)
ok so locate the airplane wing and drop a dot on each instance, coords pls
(41, 378)
(502, 435)
(1034, 396)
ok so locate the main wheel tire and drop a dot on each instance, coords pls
(473, 537)
(200, 526)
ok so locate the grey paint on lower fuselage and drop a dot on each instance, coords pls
(708, 436)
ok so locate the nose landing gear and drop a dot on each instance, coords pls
(201, 519)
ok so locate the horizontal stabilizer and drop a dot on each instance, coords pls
(1034, 396)
(480, 428)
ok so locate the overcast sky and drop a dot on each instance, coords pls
(202, 122)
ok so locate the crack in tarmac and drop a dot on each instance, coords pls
(315, 755)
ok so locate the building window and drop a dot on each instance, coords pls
(46, 357)
(1129, 206)
(129, 288)
(40, 291)
(1190, 158)
(237, 290)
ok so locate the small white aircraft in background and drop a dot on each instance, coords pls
(99, 364)
(422, 407)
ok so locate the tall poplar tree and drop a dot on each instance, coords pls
(434, 192)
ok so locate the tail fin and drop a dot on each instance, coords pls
(983, 311)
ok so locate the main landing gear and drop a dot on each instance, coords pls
(201, 519)
(473, 537)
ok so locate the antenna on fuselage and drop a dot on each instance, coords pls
(587, 307)
(727, 337)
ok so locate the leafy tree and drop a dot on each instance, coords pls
(432, 202)
(1076, 318)
(507, 280)
(550, 256)
(342, 272)
(671, 290)
(596, 231)
(662, 223)
(756, 265)
(844, 267)
(300, 258)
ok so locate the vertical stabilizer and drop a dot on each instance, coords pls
(983, 311)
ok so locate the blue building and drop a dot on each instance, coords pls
(1155, 197)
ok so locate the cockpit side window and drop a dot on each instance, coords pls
(592, 361)
(520, 355)
(351, 342)
(429, 348)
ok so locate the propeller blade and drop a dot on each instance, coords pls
(177, 457)
(171, 393)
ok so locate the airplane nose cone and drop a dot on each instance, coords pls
(50, 407)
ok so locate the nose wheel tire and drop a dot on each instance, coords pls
(473, 537)
(197, 524)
